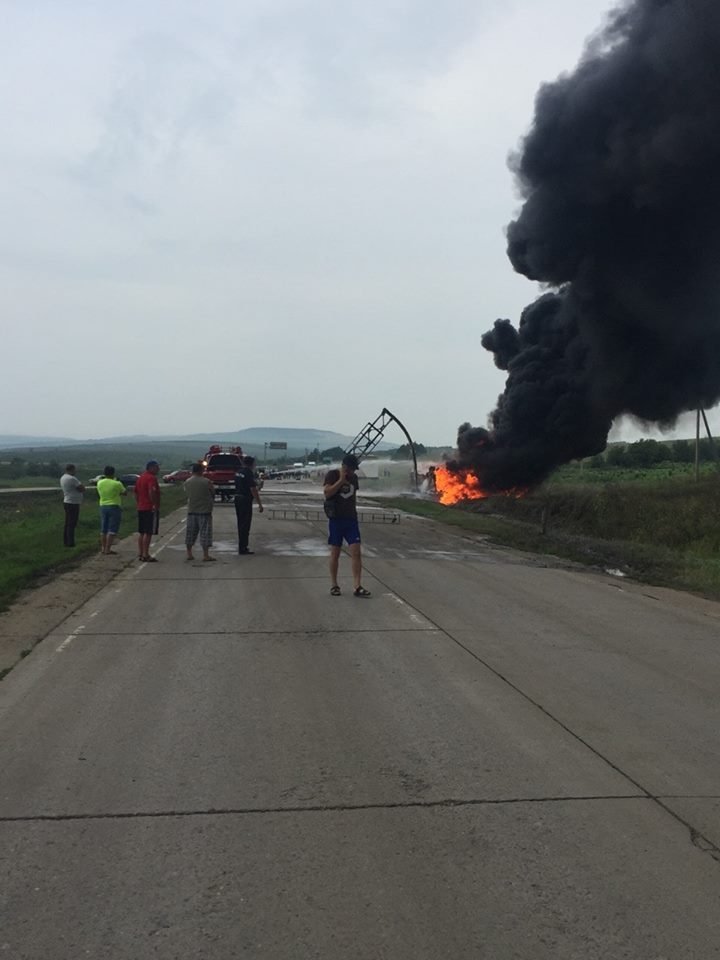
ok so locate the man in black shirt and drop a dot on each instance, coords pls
(245, 492)
(340, 490)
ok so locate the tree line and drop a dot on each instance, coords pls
(19, 467)
(648, 453)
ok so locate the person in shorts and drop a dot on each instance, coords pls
(110, 491)
(200, 495)
(147, 497)
(340, 489)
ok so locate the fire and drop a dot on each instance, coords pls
(453, 487)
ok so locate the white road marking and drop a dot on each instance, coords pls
(411, 613)
(68, 640)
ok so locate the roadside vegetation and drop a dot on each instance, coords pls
(652, 527)
(43, 467)
(31, 546)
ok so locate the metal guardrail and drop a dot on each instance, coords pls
(283, 513)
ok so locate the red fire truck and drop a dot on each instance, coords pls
(221, 464)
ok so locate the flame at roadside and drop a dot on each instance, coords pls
(454, 486)
(459, 484)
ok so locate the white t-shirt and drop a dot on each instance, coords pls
(70, 483)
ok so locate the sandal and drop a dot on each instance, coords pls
(150, 559)
(209, 559)
(335, 590)
(361, 592)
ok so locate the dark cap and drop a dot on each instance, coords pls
(151, 463)
(350, 460)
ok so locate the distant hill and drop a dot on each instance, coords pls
(253, 439)
(8, 441)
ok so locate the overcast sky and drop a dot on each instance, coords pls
(220, 215)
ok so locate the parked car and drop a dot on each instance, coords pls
(127, 479)
(177, 476)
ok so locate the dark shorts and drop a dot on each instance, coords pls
(146, 521)
(341, 529)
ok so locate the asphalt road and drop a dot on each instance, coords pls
(492, 758)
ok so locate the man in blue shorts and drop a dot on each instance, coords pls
(340, 491)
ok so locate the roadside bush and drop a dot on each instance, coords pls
(682, 515)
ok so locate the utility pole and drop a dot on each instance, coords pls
(713, 448)
(697, 444)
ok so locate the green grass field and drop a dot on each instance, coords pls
(31, 545)
(91, 460)
(582, 473)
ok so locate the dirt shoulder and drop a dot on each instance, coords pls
(42, 609)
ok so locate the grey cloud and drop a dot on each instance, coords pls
(166, 95)
(346, 53)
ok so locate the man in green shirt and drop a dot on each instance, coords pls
(109, 491)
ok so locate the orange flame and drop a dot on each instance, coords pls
(453, 487)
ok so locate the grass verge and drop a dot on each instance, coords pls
(31, 546)
(667, 534)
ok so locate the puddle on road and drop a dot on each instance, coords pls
(219, 546)
(456, 555)
(309, 547)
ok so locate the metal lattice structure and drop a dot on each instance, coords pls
(372, 433)
(295, 513)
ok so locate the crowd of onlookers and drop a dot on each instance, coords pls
(339, 489)
(111, 493)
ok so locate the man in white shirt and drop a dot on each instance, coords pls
(72, 498)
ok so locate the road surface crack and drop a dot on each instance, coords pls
(446, 803)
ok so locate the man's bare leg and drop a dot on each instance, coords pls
(356, 561)
(144, 544)
(334, 564)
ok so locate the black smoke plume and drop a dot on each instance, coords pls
(620, 176)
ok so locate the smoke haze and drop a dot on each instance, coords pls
(620, 177)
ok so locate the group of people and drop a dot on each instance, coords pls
(200, 493)
(340, 495)
(110, 497)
